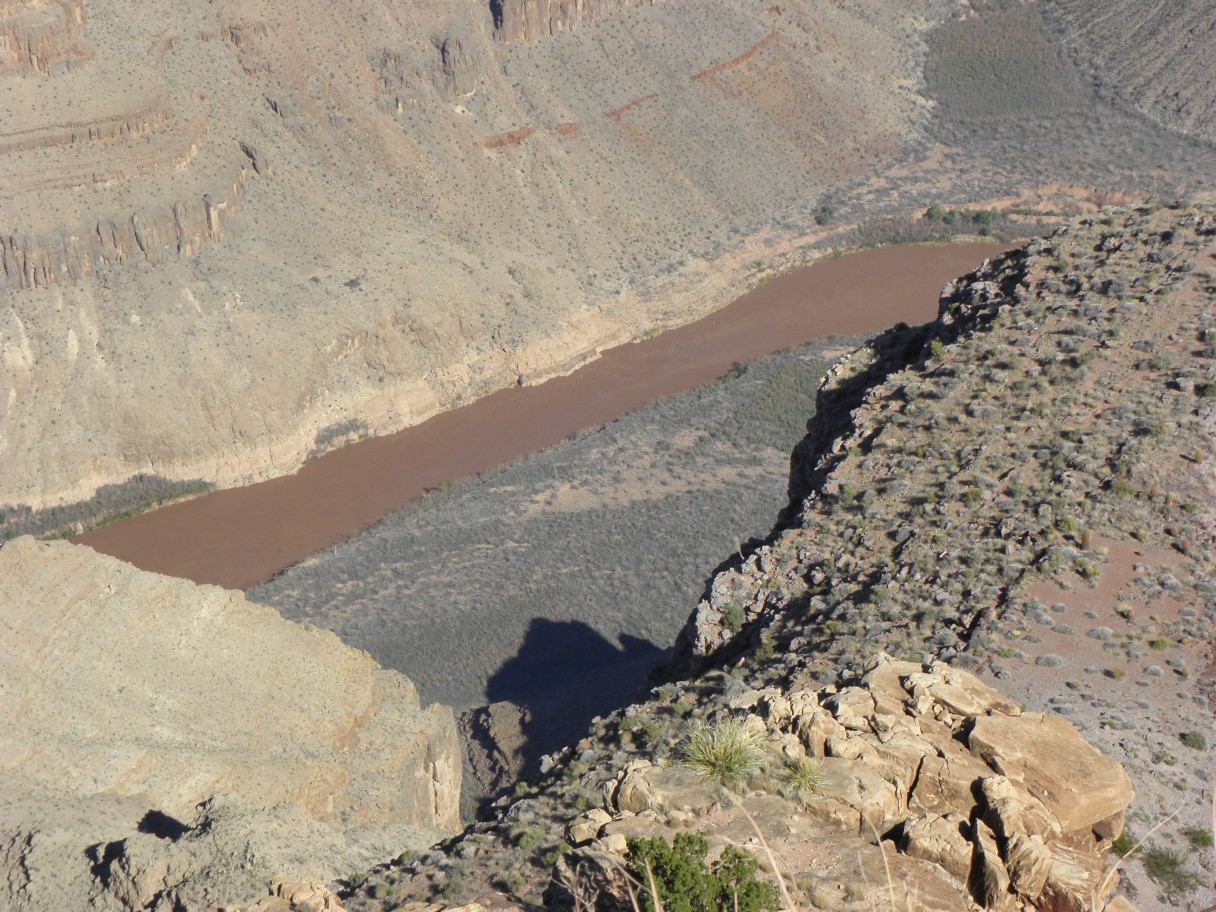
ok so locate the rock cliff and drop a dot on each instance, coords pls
(132, 699)
(39, 36)
(527, 20)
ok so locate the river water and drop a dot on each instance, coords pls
(240, 537)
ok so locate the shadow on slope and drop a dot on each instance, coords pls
(564, 675)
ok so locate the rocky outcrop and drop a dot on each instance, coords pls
(127, 690)
(495, 744)
(917, 530)
(909, 753)
(39, 36)
(528, 20)
(180, 229)
(458, 68)
(905, 518)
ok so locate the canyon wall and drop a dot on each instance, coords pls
(223, 231)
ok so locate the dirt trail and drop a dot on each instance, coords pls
(242, 536)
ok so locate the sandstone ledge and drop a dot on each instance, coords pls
(126, 690)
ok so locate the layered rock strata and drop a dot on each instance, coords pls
(36, 35)
(208, 190)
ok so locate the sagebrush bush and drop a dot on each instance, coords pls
(1168, 868)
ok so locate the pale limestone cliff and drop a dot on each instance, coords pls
(124, 682)
(131, 700)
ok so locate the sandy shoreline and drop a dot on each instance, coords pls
(239, 537)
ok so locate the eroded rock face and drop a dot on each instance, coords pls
(527, 20)
(125, 690)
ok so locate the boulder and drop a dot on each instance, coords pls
(1048, 758)
(866, 791)
(587, 826)
(883, 678)
(989, 882)
(1078, 881)
(1029, 863)
(940, 840)
(1010, 811)
(945, 785)
(959, 692)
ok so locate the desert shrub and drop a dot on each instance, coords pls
(726, 751)
(684, 881)
(1199, 837)
(1124, 843)
(1001, 64)
(1194, 739)
(111, 503)
(1168, 869)
(805, 777)
(733, 617)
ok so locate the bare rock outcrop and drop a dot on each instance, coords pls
(178, 229)
(891, 763)
(39, 36)
(528, 20)
(126, 690)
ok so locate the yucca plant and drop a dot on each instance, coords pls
(727, 751)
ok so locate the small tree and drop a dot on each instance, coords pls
(685, 883)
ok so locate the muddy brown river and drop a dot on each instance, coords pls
(240, 537)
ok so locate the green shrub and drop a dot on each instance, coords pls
(685, 883)
(1199, 837)
(733, 617)
(1167, 868)
(805, 777)
(1194, 739)
(1124, 843)
(727, 751)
